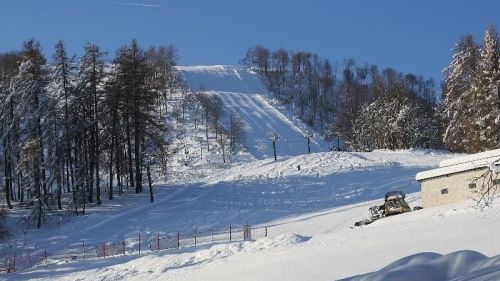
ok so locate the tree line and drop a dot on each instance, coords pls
(67, 123)
(366, 107)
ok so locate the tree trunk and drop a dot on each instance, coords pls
(118, 161)
(206, 130)
(150, 183)
(96, 137)
(110, 193)
(59, 185)
(137, 158)
(129, 152)
(8, 180)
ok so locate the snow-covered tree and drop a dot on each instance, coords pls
(458, 96)
(62, 90)
(395, 123)
(91, 76)
(29, 90)
(485, 87)
(9, 128)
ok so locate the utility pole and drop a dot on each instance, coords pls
(497, 120)
(273, 136)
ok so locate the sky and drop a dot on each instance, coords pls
(411, 36)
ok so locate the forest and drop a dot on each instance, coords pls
(371, 108)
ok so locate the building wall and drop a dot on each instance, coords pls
(457, 185)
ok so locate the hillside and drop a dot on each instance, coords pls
(309, 220)
(242, 91)
(263, 193)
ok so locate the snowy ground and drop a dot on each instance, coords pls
(308, 202)
(309, 219)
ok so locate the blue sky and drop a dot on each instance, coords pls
(412, 36)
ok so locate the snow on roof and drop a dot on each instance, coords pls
(469, 158)
(461, 164)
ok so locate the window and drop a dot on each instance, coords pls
(472, 185)
(444, 191)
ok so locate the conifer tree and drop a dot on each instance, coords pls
(486, 83)
(62, 84)
(458, 96)
(91, 82)
(29, 89)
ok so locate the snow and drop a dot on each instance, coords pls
(320, 246)
(309, 218)
(243, 91)
(460, 265)
(460, 164)
(309, 213)
(482, 156)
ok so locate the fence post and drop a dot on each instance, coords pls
(14, 261)
(266, 231)
(45, 255)
(29, 256)
(139, 243)
(212, 232)
(195, 233)
(178, 239)
(123, 247)
(104, 249)
(83, 249)
(230, 233)
(158, 241)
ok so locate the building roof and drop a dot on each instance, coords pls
(461, 164)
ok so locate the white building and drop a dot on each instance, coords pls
(453, 180)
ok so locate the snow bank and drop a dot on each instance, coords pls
(460, 265)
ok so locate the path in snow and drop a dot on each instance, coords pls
(243, 91)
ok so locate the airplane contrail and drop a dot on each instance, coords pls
(139, 4)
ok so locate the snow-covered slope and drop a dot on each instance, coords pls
(308, 202)
(243, 91)
(309, 214)
(418, 246)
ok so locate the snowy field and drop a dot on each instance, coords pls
(309, 214)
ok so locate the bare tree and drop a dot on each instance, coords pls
(236, 131)
(489, 185)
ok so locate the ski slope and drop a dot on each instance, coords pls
(243, 91)
(309, 214)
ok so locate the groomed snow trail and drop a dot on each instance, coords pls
(242, 91)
